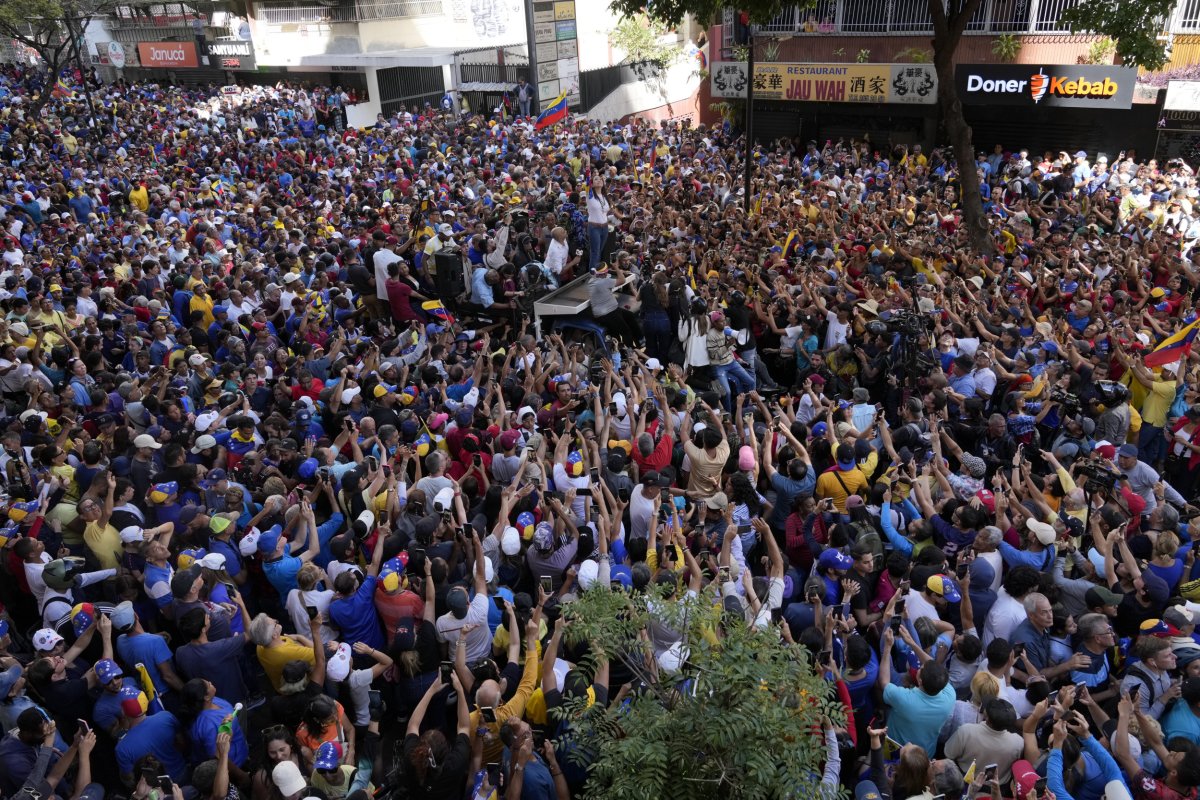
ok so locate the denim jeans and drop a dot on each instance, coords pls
(597, 236)
(744, 380)
(656, 326)
(757, 367)
(1152, 446)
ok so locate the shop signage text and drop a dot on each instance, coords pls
(1068, 85)
(171, 55)
(828, 83)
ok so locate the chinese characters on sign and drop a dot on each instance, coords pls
(729, 79)
(828, 83)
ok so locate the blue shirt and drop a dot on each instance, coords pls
(356, 617)
(147, 649)
(786, 491)
(153, 736)
(481, 292)
(204, 735)
(282, 573)
(917, 717)
(107, 710)
(1013, 557)
(1181, 721)
(537, 782)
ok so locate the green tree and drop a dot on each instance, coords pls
(639, 37)
(51, 28)
(738, 722)
(672, 12)
(1135, 26)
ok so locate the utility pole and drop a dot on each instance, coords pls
(531, 38)
(749, 112)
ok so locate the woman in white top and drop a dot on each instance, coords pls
(693, 334)
(598, 211)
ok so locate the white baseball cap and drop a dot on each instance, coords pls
(146, 440)
(205, 421)
(338, 665)
(46, 640)
(132, 534)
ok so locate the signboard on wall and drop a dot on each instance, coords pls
(171, 55)
(1182, 96)
(556, 48)
(827, 83)
(1030, 85)
(232, 55)
(116, 54)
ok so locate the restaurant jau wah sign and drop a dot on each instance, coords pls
(829, 83)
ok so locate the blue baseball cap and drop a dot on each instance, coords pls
(269, 539)
(329, 756)
(107, 669)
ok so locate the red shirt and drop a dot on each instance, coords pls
(658, 459)
(399, 298)
(312, 392)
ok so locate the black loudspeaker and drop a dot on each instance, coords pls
(449, 278)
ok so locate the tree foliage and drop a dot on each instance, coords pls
(1134, 25)
(51, 28)
(740, 721)
(638, 37)
(672, 12)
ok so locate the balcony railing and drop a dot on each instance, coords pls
(164, 15)
(911, 17)
(358, 11)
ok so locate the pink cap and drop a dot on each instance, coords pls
(746, 457)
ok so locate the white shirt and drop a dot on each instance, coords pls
(641, 510)
(597, 209)
(87, 307)
(382, 259)
(479, 640)
(235, 312)
(985, 381)
(1006, 614)
(917, 606)
(556, 256)
(836, 333)
(296, 602)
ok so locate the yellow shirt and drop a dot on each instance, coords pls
(273, 659)
(105, 544)
(828, 485)
(336, 792)
(1158, 402)
(515, 707)
(204, 304)
(500, 640)
(140, 198)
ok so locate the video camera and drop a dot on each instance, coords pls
(1099, 479)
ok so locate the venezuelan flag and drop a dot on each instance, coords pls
(438, 311)
(793, 238)
(62, 88)
(1176, 346)
(154, 702)
(555, 112)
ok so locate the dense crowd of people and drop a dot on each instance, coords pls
(287, 520)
